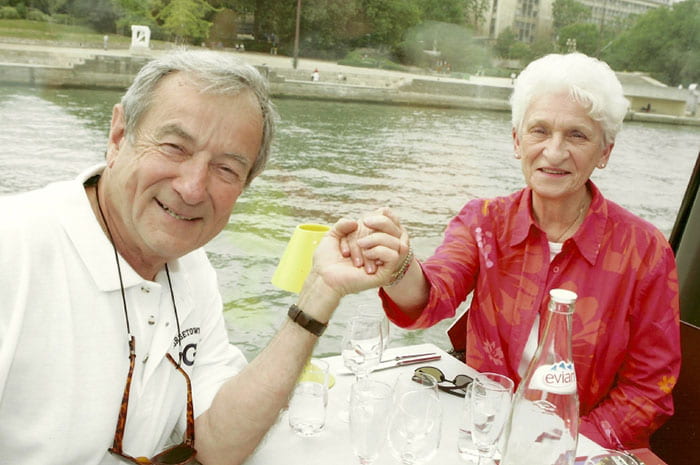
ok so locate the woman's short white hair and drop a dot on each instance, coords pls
(587, 80)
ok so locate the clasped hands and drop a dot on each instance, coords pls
(362, 254)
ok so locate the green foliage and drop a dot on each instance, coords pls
(475, 11)
(664, 42)
(445, 11)
(568, 12)
(9, 12)
(433, 42)
(507, 46)
(370, 58)
(37, 15)
(586, 35)
(331, 27)
(184, 20)
(387, 20)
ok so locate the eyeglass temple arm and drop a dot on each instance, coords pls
(121, 421)
(189, 438)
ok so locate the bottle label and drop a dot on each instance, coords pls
(558, 378)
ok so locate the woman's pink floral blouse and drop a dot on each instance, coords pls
(626, 340)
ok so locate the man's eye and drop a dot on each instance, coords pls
(173, 149)
(229, 173)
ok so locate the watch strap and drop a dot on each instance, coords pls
(307, 322)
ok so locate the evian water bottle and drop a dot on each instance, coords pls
(543, 424)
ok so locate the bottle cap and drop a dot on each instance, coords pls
(563, 296)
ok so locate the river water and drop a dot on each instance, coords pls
(331, 160)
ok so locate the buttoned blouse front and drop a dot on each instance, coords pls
(625, 327)
(64, 344)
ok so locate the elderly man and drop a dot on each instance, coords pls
(112, 340)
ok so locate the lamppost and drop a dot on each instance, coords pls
(296, 36)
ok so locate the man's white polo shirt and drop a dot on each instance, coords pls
(63, 338)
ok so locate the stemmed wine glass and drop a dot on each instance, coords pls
(416, 419)
(375, 310)
(490, 402)
(362, 344)
(370, 404)
(361, 348)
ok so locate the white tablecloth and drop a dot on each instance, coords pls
(282, 446)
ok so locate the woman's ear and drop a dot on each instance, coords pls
(605, 156)
(516, 144)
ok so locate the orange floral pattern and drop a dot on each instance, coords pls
(626, 340)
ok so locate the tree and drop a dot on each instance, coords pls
(331, 26)
(446, 11)
(100, 14)
(587, 37)
(664, 42)
(388, 20)
(567, 12)
(475, 12)
(184, 20)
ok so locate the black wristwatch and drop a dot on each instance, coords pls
(307, 322)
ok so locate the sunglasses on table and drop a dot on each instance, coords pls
(181, 454)
(456, 386)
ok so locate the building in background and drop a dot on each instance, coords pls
(530, 19)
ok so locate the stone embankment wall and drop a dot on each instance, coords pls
(115, 71)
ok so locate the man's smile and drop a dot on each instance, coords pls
(172, 213)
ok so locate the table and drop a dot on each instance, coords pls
(332, 446)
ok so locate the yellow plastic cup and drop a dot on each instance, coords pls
(298, 257)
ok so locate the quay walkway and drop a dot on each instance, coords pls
(56, 65)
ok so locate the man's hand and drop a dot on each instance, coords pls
(359, 255)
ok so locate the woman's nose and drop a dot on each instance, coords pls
(192, 180)
(555, 147)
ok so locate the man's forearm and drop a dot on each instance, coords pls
(247, 405)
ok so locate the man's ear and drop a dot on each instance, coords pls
(116, 133)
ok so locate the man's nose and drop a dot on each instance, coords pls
(192, 180)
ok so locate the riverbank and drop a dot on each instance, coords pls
(54, 65)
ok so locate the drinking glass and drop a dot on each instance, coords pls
(362, 344)
(361, 349)
(611, 457)
(466, 449)
(376, 310)
(307, 407)
(490, 398)
(416, 419)
(370, 404)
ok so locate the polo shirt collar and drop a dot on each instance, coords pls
(588, 238)
(92, 244)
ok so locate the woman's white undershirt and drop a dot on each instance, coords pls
(533, 338)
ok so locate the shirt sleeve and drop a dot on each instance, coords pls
(640, 401)
(451, 273)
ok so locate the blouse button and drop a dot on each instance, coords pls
(145, 289)
(555, 269)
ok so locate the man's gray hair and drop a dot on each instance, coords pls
(587, 80)
(214, 72)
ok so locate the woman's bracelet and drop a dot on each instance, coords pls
(401, 272)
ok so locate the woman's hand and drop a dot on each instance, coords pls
(379, 242)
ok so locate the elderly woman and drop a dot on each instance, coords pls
(557, 232)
